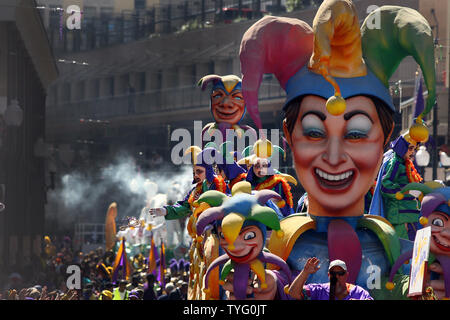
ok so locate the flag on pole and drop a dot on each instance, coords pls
(420, 102)
(162, 265)
(121, 268)
(153, 256)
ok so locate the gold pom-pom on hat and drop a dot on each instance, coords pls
(423, 221)
(418, 131)
(399, 196)
(390, 285)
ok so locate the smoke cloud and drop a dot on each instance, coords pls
(85, 196)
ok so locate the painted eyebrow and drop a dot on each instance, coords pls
(350, 114)
(441, 214)
(247, 228)
(319, 114)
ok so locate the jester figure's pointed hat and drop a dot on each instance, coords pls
(433, 196)
(240, 210)
(228, 83)
(226, 160)
(401, 144)
(262, 149)
(335, 59)
(203, 158)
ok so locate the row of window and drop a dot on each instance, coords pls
(123, 85)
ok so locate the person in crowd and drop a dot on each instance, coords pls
(149, 288)
(168, 289)
(121, 292)
(336, 289)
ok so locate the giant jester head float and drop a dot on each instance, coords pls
(339, 113)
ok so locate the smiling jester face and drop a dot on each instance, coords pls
(337, 157)
(227, 100)
(440, 233)
(246, 247)
(227, 107)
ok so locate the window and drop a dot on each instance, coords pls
(66, 92)
(141, 81)
(139, 4)
(80, 94)
(125, 84)
(111, 86)
(95, 88)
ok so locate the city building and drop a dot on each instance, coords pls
(27, 68)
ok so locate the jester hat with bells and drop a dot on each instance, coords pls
(226, 161)
(433, 197)
(335, 59)
(401, 144)
(234, 213)
(203, 158)
(264, 149)
(228, 83)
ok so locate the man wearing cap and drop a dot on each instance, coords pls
(336, 289)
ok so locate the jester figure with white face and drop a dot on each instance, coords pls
(339, 116)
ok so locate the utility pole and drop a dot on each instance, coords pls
(435, 156)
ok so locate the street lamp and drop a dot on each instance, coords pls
(13, 114)
(422, 159)
(445, 162)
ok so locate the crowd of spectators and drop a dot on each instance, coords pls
(50, 278)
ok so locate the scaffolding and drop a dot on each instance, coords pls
(89, 236)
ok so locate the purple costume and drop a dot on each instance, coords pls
(321, 291)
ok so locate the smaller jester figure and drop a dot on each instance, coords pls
(205, 179)
(227, 105)
(263, 175)
(435, 213)
(227, 166)
(397, 170)
(242, 221)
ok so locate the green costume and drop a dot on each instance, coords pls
(398, 212)
(183, 208)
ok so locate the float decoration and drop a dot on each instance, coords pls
(434, 198)
(237, 212)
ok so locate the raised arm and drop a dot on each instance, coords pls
(296, 288)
